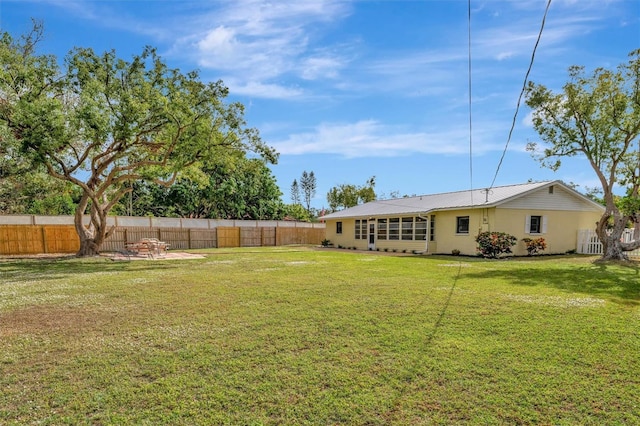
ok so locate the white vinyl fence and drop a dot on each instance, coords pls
(589, 243)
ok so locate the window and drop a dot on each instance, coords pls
(536, 225)
(462, 225)
(394, 228)
(421, 229)
(361, 229)
(407, 228)
(382, 229)
(551, 189)
(338, 227)
(432, 228)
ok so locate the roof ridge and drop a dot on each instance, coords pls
(542, 182)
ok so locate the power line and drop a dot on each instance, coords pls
(470, 117)
(524, 86)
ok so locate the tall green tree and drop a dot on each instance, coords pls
(36, 193)
(597, 117)
(103, 122)
(240, 189)
(245, 189)
(348, 195)
(295, 192)
(308, 186)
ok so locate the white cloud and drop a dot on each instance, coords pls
(220, 41)
(504, 55)
(262, 41)
(527, 120)
(370, 138)
(321, 67)
(262, 90)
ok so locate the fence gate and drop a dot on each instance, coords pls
(589, 243)
(228, 237)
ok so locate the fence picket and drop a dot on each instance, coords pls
(589, 243)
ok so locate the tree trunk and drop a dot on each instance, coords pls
(612, 249)
(88, 247)
(92, 237)
(611, 238)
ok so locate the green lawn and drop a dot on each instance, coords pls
(303, 336)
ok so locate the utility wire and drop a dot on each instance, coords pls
(470, 120)
(524, 86)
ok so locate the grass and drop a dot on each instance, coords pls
(301, 336)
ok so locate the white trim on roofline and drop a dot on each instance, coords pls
(448, 201)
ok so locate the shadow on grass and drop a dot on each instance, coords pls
(618, 282)
(23, 270)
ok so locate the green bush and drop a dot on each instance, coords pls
(493, 244)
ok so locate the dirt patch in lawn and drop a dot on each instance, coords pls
(45, 320)
(171, 255)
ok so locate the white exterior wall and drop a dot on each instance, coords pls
(560, 199)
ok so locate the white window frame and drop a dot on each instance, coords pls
(420, 229)
(394, 229)
(543, 224)
(406, 225)
(458, 227)
(381, 229)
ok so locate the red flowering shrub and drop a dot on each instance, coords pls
(534, 245)
(493, 244)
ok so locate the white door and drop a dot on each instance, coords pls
(372, 235)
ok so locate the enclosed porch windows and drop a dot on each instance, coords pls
(395, 228)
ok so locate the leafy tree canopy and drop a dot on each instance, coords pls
(348, 195)
(240, 189)
(596, 116)
(102, 122)
(36, 193)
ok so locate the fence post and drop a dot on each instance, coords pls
(44, 239)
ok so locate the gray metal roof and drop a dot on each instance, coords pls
(477, 198)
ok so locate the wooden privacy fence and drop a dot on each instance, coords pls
(37, 239)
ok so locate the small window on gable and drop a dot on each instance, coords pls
(338, 227)
(551, 189)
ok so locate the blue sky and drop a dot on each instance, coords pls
(354, 89)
